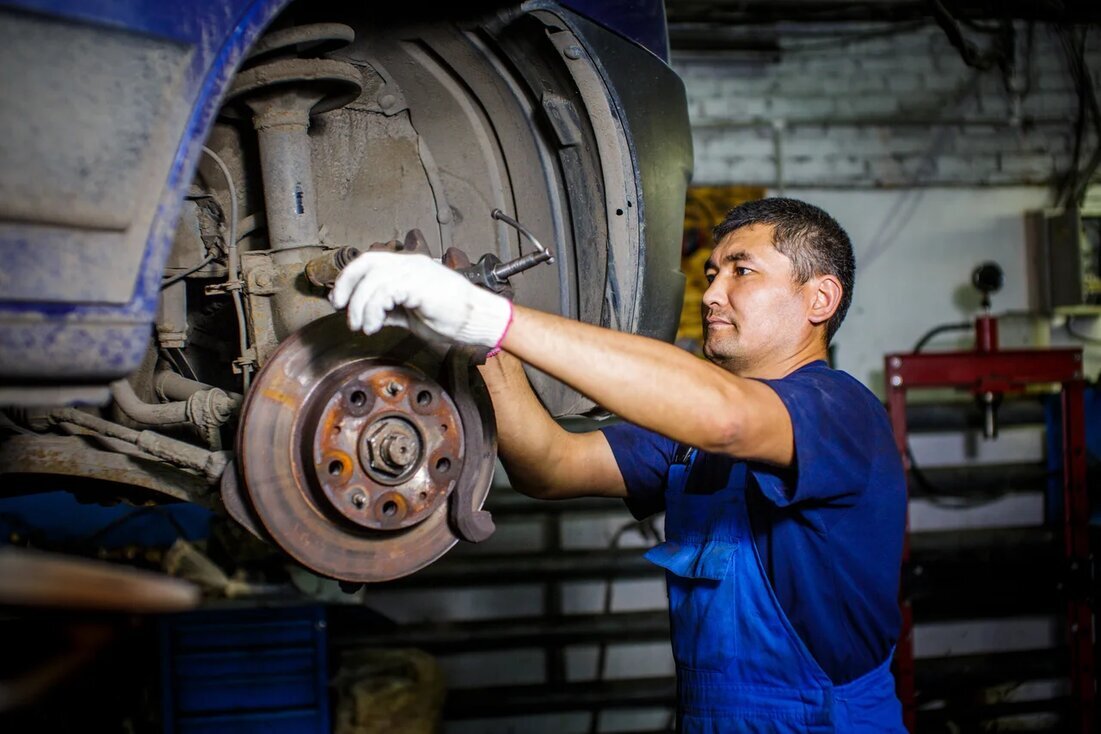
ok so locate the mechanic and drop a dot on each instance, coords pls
(784, 493)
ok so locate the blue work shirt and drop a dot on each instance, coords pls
(829, 530)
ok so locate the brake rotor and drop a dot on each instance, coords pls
(366, 458)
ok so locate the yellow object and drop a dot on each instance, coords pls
(704, 208)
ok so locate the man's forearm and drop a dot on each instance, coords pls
(644, 381)
(526, 433)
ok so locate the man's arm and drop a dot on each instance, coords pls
(645, 381)
(657, 386)
(542, 459)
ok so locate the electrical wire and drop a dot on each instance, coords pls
(167, 357)
(1073, 187)
(180, 276)
(117, 522)
(187, 363)
(897, 29)
(907, 203)
(234, 267)
(937, 330)
(998, 55)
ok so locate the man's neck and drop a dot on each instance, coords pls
(774, 369)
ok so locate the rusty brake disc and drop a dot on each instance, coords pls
(366, 458)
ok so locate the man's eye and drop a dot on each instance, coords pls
(710, 277)
(742, 271)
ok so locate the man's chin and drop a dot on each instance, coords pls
(715, 353)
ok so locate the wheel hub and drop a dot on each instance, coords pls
(386, 445)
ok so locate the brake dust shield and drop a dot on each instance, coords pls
(364, 458)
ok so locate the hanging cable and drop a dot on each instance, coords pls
(187, 363)
(1000, 53)
(937, 330)
(180, 276)
(1073, 187)
(234, 267)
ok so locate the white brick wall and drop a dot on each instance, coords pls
(890, 111)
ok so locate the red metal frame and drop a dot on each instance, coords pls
(990, 370)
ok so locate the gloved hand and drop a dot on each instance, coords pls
(376, 283)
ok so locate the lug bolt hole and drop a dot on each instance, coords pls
(358, 398)
(424, 397)
(389, 508)
(443, 464)
(336, 468)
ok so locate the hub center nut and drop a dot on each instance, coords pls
(391, 449)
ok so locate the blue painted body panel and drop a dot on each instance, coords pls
(84, 343)
(98, 341)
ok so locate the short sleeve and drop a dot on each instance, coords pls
(835, 421)
(643, 458)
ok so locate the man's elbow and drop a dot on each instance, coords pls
(535, 490)
(536, 487)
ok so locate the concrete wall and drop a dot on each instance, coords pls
(903, 110)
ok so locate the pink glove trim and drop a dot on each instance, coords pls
(497, 347)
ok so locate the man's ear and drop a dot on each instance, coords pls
(827, 298)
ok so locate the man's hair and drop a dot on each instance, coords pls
(813, 241)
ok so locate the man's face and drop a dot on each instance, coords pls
(754, 313)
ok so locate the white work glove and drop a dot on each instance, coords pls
(378, 283)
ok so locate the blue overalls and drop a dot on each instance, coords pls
(741, 667)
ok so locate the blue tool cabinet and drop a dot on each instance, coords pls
(245, 670)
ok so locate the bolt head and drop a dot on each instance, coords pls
(392, 447)
(399, 450)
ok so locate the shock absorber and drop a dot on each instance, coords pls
(282, 85)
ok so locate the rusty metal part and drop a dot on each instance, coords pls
(386, 444)
(207, 410)
(210, 463)
(237, 504)
(332, 84)
(282, 94)
(468, 520)
(78, 456)
(315, 39)
(323, 269)
(350, 447)
(170, 386)
(455, 258)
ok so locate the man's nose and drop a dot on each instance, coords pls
(714, 295)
